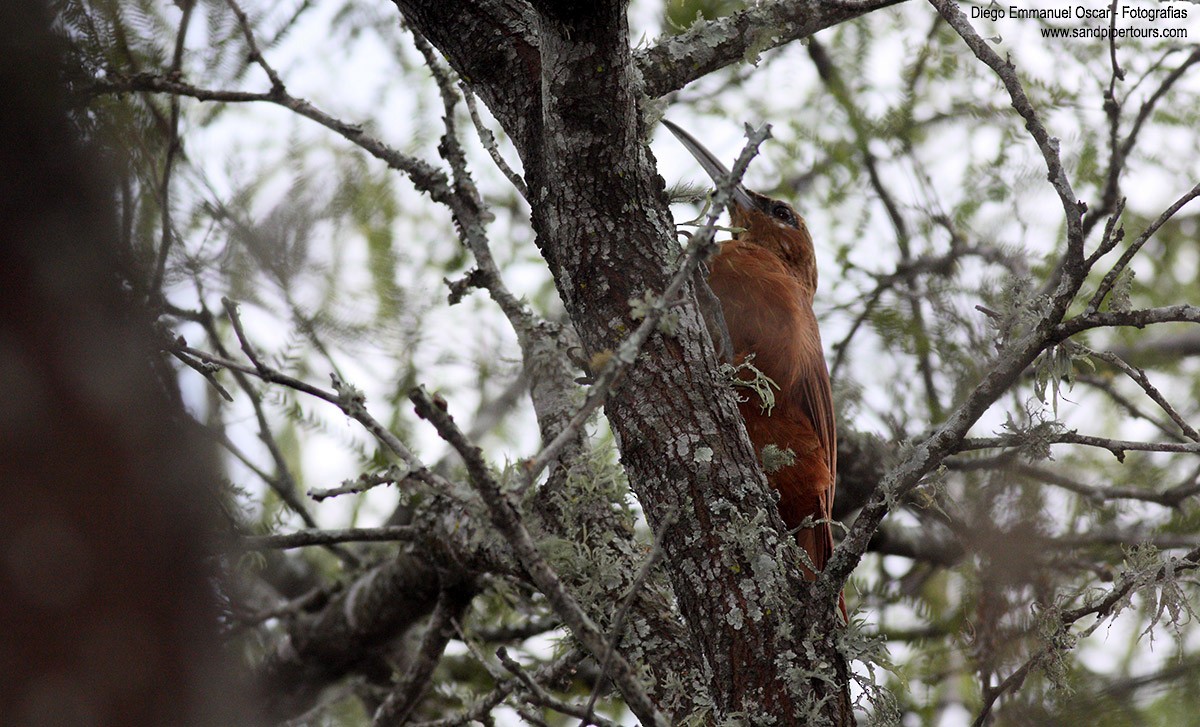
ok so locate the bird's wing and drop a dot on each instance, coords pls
(816, 397)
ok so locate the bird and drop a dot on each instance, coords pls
(765, 279)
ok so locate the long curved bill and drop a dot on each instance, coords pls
(715, 168)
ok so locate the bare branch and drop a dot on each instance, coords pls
(1139, 376)
(1110, 278)
(283, 483)
(1119, 152)
(425, 177)
(366, 481)
(307, 538)
(488, 139)
(174, 145)
(1181, 313)
(255, 55)
(346, 397)
(205, 370)
(1117, 446)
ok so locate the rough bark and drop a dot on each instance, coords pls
(563, 82)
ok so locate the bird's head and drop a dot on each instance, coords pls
(769, 223)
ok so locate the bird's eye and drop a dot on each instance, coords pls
(783, 213)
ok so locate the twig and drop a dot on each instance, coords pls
(488, 139)
(282, 483)
(174, 145)
(543, 343)
(1117, 446)
(392, 475)
(255, 54)
(205, 370)
(1120, 154)
(1139, 376)
(480, 710)
(346, 398)
(1111, 238)
(1109, 279)
(618, 624)
(425, 177)
(1182, 313)
(544, 699)
(307, 538)
(508, 521)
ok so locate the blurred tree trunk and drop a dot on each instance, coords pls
(108, 615)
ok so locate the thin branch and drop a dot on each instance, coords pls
(207, 371)
(1181, 313)
(542, 698)
(366, 481)
(618, 624)
(1119, 155)
(481, 709)
(1139, 377)
(408, 692)
(1047, 145)
(1111, 278)
(282, 483)
(425, 177)
(174, 145)
(308, 538)
(1117, 446)
(1111, 238)
(345, 397)
(488, 139)
(508, 521)
(255, 54)
(868, 307)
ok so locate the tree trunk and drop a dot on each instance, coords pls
(562, 82)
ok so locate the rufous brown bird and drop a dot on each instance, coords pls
(765, 278)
